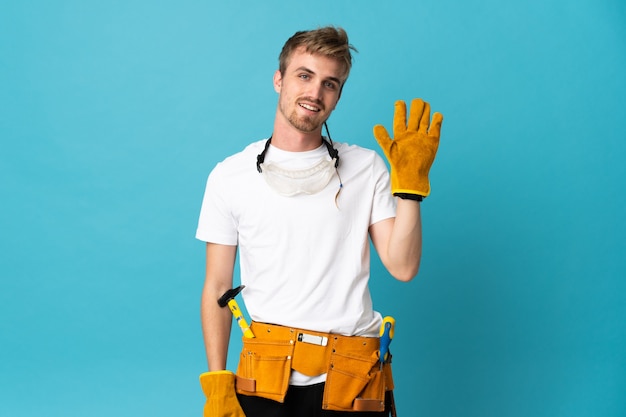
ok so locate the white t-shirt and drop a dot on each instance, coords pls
(305, 260)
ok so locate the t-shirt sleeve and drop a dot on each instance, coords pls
(216, 223)
(384, 204)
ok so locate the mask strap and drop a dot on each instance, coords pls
(334, 154)
(260, 158)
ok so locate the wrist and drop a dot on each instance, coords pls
(408, 196)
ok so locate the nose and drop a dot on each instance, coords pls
(315, 91)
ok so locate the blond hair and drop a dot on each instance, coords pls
(327, 41)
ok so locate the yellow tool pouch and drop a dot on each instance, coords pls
(264, 368)
(355, 380)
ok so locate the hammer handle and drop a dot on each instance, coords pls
(241, 321)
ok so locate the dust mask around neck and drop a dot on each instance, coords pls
(291, 182)
(312, 180)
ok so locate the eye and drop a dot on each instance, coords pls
(304, 76)
(331, 85)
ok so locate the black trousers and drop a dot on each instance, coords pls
(299, 402)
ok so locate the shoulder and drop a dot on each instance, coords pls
(240, 162)
(354, 150)
(358, 155)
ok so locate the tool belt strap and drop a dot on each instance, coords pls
(355, 380)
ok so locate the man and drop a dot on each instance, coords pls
(300, 209)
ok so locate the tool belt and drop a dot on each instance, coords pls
(355, 381)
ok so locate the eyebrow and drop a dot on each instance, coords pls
(305, 69)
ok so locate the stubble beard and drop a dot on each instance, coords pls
(305, 124)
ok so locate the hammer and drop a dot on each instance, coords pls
(229, 299)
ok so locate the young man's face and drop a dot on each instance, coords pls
(308, 90)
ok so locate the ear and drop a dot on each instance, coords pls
(278, 81)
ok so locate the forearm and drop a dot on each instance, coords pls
(216, 325)
(404, 250)
(216, 321)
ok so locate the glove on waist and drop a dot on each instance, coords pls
(221, 399)
(412, 150)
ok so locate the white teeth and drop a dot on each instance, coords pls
(309, 107)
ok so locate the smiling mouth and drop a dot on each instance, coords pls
(309, 107)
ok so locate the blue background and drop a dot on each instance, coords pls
(112, 114)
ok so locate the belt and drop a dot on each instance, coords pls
(312, 350)
(354, 383)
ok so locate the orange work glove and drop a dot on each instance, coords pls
(219, 389)
(412, 150)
